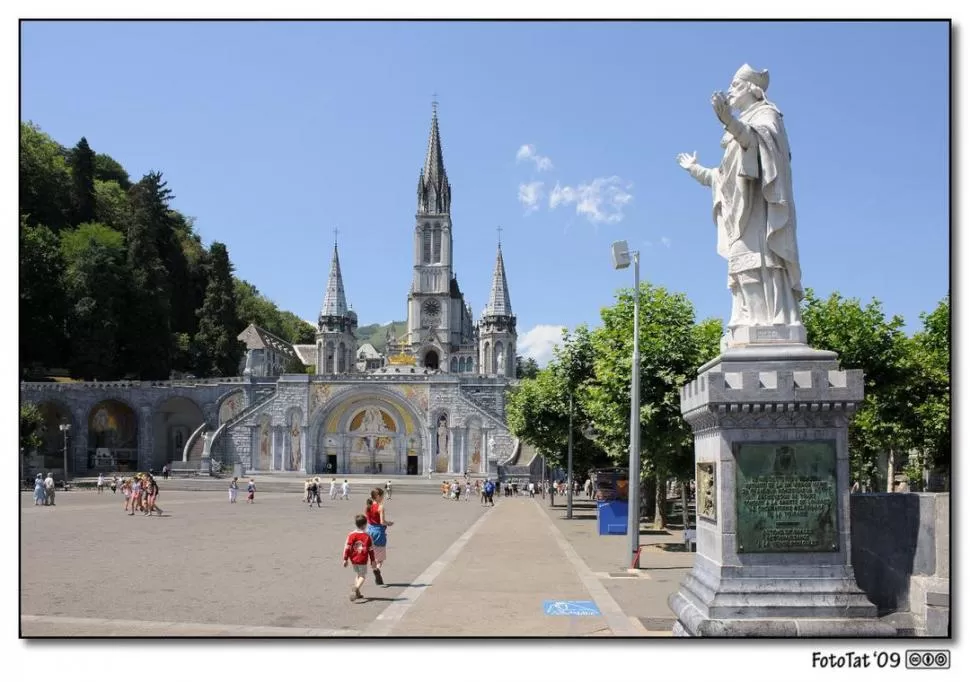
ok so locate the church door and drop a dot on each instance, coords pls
(412, 465)
(431, 360)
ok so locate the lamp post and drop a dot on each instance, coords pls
(569, 462)
(621, 259)
(65, 427)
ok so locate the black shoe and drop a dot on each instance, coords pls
(377, 576)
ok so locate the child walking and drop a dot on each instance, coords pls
(233, 489)
(358, 550)
(251, 492)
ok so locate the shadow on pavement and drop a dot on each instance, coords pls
(407, 584)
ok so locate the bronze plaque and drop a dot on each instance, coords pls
(787, 497)
(706, 478)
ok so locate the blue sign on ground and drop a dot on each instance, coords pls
(570, 608)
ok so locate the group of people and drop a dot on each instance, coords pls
(141, 494)
(44, 490)
(451, 490)
(367, 543)
(234, 490)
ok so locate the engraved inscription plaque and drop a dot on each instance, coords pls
(787, 497)
(706, 491)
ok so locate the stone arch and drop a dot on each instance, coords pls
(113, 436)
(499, 367)
(486, 358)
(341, 358)
(262, 457)
(431, 359)
(454, 365)
(173, 421)
(50, 454)
(328, 358)
(335, 434)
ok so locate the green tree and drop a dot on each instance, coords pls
(930, 363)
(31, 430)
(526, 368)
(148, 343)
(294, 329)
(82, 183)
(107, 169)
(42, 300)
(112, 205)
(95, 280)
(866, 340)
(670, 353)
(218, 351)
(45, 180)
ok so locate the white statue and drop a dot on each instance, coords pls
(206, 443)
(249, 364)
(491, 446)
(754, 208)
(442, 436)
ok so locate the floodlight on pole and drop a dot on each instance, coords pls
(622, 256)
(65, 427)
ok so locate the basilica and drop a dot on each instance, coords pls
(433, 401)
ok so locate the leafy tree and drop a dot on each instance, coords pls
(930, 363)
(31, 431)
(526, 368)
(95, 280)
(218, 351)
(148, 342)
(670, 353)
(866, 340)
(107, 169)
(82, 186)
(254, 308)
(112, 205)
(42, 301)
(294, 329)
(45, 180)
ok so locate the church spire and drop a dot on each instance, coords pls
(498, 300)
(434, 192)
(334, 301)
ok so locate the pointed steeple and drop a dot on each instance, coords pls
(434, 192)
(498, 300)
(334, 301)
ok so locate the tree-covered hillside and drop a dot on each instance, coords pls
(116, 284)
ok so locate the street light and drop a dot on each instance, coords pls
(569, 462)
(65, 427)
(621, 259)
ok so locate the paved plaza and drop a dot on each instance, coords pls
(273, 568)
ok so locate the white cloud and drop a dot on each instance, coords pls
(539, 342)
(601, 201)
(527, 152)
(530, 194)
(666, 241)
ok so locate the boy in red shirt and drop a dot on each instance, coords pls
(358, 550)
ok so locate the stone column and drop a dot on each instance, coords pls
(306, 453)
(145, 442)
(772, 469)
(432, 450)
(464, 450)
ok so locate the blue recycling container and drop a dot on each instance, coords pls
(612, 517)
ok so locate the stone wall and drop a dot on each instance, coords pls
(901, 555)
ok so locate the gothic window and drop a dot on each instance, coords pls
(342, 358)
(487, 357)
(328, 368)
(436, 245)
(426, 237)
(454, 364)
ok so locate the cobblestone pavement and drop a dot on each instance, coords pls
(273, 569)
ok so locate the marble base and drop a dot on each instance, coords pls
(775, 334)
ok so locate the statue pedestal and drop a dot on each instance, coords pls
(774, 334)
(773, 559)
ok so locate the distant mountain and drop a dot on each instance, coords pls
(376, 334)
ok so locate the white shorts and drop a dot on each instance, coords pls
(360, 570)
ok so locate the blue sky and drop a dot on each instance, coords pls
(272, 134)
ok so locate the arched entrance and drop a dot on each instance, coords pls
(112, 437)
(50, 455)
(371, 432)
(172, 424)
(431, 360)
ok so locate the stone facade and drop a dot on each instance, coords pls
(433, 407)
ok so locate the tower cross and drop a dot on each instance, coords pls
(336, 231)
(434, 103)
(499, 230)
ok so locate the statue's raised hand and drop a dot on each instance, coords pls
(721, 107)
(687, 160)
